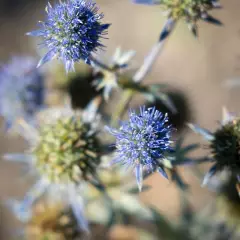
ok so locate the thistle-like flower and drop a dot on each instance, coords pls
(72, 32)
(224, 145)
(142, 141)
(190, 10)
(64, 152)
(21, 90)
(108, 77)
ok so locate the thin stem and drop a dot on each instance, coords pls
(146, 67)
(100, 64)
(155, 52)
(122, 106)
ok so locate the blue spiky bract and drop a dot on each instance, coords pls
(21, 89)
(143, 140)
(72, 32)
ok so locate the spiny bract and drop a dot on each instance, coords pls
(63, 152)
(72, 32)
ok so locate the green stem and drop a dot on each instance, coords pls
(100, 64)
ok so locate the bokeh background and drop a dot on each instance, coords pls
(196, 67)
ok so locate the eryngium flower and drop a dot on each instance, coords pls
(142, 141)
(190, 10)
(224, 145)
(67, 150)
(21, 89)
(64, 151)
(72, 32)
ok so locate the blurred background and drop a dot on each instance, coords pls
(197, 68)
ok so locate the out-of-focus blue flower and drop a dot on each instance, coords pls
(72, 32)
(143, 140)
(21, 89)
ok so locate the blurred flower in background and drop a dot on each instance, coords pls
(22, 90)
(64, 151)
(52, 221)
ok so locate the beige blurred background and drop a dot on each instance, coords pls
(199, 67)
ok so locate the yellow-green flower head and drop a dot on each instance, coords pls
(107, 76)
(190, 10)
(68, 150)
(224, 145)
(52, 222)
(64, 152)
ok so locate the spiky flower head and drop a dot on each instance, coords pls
(64, 151)
(68, 150)
(224, 145)
(189, 10)
(21, 89)
(71, 32)
(142, 141)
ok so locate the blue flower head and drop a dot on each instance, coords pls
(143, 140)
(21, 89)
(71, 32)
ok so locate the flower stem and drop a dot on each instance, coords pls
(122, 106)
(99, 63)
(143, 71)
(154, 52)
